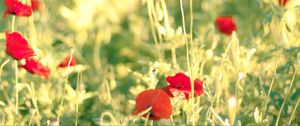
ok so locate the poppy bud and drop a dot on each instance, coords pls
(225, 25)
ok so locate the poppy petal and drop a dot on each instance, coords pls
(66, 61)
(35, 67)
(17, 47)
(181, 84)
(282, 2)
(37, 5)
(17, 8)
(167, 89)
(225, 24)
(158, 100)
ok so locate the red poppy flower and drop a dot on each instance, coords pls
(225, 24)
(37, 5)
(17, 47)
(180, 83)
(158, 100)
(282, 2)
(35, 67)
(16, 7)
(65, 62)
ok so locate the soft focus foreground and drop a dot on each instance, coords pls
(92, 62)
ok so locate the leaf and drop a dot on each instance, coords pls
(257, 115)
(2, 103)
(267, 19)
(74, 69)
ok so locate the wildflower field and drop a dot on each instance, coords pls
(150, 62)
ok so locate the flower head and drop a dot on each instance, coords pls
(66, 61)
(17, 47)
(180, 83)
(35, 67)
(225, 24)
(282, 2)
(16, 7)
(37, 5)
(158, 100)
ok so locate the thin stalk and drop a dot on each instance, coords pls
(217, 116)
(16, 69)
(97, 53)
(3, 118)
(13, 23)
(135, 117)
(17, 90)
(1, 67)
(64, 89)
(174, 59)
(185, 38)
(150, 15)
(32, 31)
(187, 57)
(30, 121)
(31, 90)
(166, 16)
(202, 67)
(156, 22)
(112, 118)
(221, 72)
(191, 43)
(272, 82)
(147, 118)
(191, 22)
(77, 93)
(294, 111)
(208, 115)
(285, 99)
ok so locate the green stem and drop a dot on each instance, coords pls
(174, 59)
(17, 92)
(272, 82)
(285, 99)
(16, 68)
(77, 93)
(150, 15)
(191, 23)
(1, 67)
(188, 58)
(294, 111)
(13, 23)
(64, 89)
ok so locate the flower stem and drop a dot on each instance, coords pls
(285, 99)
(150, 6)
(174, 59)
(293, 114)
(64, 89)
(79, 77)
(1, 67)
(272, 82)
(17, 92)
(13, 23)
(188, 57)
